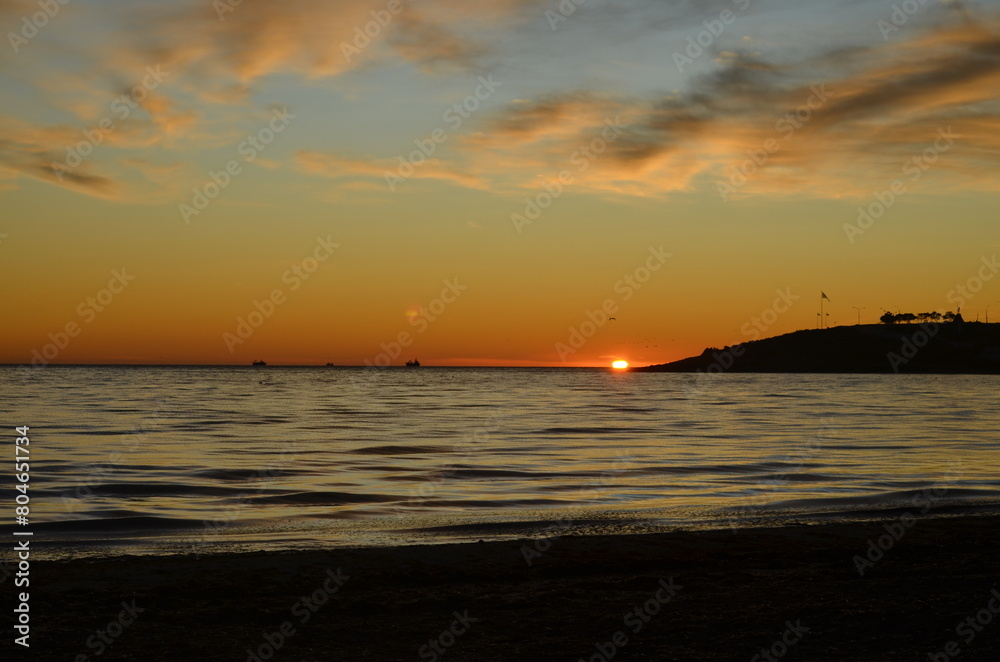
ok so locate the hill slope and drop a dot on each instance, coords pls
(958, 348)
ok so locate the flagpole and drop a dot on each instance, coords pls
(822, 320)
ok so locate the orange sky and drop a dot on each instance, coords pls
(266, 184)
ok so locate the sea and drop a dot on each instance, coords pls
(205, 460)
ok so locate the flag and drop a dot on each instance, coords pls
(824, 296)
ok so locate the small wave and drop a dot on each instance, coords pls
(800, 478)
(515, 528)
(241, 474)
(197, 425)
(920, 497)
(163, 489)
(756, 468)
(488, 503)
(401, 450)
(97, 433)
(118, 524)
(513, 473)
(593, 430)
(324, 498)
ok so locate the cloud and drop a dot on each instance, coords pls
(885, 100)
(343, 168)
(31, 151)
(63, 156)
(433, 45)
(215, 55)
(872, 108)
(313, 38)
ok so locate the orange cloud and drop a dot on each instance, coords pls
(333, 166)
(840, 122)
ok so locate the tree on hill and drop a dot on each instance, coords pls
(896, 318)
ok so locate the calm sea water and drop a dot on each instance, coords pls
(149, 460)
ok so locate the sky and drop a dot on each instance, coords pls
(369, 181)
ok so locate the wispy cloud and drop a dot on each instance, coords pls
(886, 98)
(880, 106)
(342, 168)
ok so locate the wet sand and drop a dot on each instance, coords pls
(722, 595)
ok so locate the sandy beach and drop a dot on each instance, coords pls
(795, 592)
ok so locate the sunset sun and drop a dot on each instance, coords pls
(619, 365)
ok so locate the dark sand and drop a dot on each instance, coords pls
(738, 591)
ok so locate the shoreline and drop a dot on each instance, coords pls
(128, 537)
(701, 595)
(160, 537)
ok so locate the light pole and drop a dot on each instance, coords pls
(859, 312)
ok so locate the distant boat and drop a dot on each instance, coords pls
(259, 363)
(329, 365)
(413, 364)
